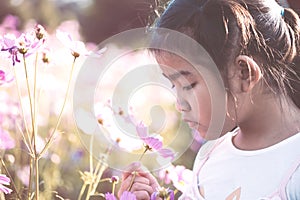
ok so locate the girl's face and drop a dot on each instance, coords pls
(193, 97)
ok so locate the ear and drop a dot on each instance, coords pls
(248, 71)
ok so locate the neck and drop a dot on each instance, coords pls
(269, 123)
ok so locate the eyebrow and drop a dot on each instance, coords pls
(176, 75)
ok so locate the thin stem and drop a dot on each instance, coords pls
(34, 93)
(37, 190)
(100, 168)
(61, 111)
(98, 176)
(135, 172)
(30, 177)
(132, 180)
(33, 132)
(11, 179)
(113, 188)
(82, 191)
(91, 167)
(22, 109)
(146, 149)
(30, 102)
(24, 139)
(91, 155)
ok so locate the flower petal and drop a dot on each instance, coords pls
(110, 196)
(166, 153)
(153, 196)
(142, 130)
(171, 193)
(127, 196)
(153, 143)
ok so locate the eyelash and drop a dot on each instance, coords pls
(191, 86)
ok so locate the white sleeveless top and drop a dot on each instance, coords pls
(223, 172)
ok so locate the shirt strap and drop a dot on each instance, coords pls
(286, 179)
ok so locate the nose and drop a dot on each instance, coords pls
(182, 105)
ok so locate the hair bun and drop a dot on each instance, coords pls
(292, 20)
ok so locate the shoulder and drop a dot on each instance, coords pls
(208, 147)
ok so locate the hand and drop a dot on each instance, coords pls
(143, 185)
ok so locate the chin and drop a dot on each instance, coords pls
(210, 134)
(201, 131)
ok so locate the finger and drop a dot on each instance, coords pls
(152, 180)
(136, 166)
(142, 195)
(126, 183)
(141, 179)
(141, 187)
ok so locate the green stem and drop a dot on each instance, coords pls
(22, 112)
(37, 187)
(34, 93)
(35, 154)
(30, 178)
(11, 179)
(30, 102)
(134, 172)
(61, 111)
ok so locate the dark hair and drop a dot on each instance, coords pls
(261, 29)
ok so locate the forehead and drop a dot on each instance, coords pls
(172, 63)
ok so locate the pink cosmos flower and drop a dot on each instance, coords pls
(4, 180)
(125, 196)
(184, 179)
(6, 141)
(9, 44)
(40, 32)
(110, 196)
(163, 193)
(5, 78)
(153, 143)
(28, 43)
(178, 175)
(166, 175)
(77, 47)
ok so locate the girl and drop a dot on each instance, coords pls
(255, 45)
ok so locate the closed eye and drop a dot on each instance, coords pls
(189, 87)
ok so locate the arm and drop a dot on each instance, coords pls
(144, 183)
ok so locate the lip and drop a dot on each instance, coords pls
(194, 125)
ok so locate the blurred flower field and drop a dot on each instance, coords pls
(45, 153)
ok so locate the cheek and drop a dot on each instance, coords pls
(204, 105)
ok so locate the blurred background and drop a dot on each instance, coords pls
(65, 167)
(99, 19)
